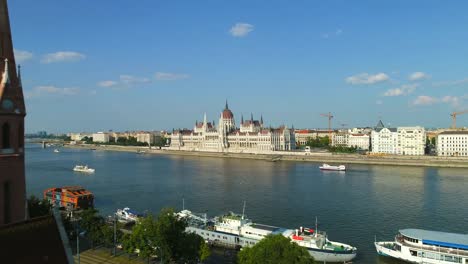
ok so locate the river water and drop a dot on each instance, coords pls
(353, 207)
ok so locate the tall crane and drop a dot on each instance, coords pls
(330, 116)
(454, 117)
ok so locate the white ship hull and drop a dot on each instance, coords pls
(235, 241)
(425, 256)
(333, 168)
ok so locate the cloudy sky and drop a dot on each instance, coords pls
(150, 64)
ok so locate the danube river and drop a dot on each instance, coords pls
(353, 207)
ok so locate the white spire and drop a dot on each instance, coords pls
(204, 120)
(6, 75)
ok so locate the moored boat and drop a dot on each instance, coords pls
(126, 215)
(56, 150)
(332, 167)
(236, 231)
(425, 246)
(85, 168)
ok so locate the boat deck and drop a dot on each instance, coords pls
(434, 248)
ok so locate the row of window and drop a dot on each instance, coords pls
(431, 255)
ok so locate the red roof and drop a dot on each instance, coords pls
(227, 114)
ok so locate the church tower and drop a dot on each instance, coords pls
(12, 113)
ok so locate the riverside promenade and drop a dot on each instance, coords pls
(320, 157)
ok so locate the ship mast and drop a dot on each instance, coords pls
(243, 211)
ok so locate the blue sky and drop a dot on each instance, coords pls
(127, 65)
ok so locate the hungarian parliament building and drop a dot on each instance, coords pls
(251, 136)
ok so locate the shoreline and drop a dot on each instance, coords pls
(391, 160)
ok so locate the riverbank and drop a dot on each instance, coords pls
(320, 157)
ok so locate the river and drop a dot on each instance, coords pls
(353, 207)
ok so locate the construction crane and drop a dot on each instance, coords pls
(454, 117)
(329, 115)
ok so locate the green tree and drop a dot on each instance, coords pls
(142, 240)
(107, 232)
(92, 223)
(433, 141)
(37, 207)
(275, 249)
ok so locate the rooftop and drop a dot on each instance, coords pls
(454, 132)
(438, 238)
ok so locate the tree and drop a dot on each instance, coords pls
(107, 232)
(275, 249)
(92, 223)
(37, 207)
(142, 240)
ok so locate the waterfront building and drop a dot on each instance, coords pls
(359, 140)
(398, 141)
(225, 136)
(453, 143)
(101, 137)
(411, 140)
(145, 137)
(79, 136)
(304, 135)
(340, 139)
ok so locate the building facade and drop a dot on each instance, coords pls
(12, 113)
(359, 141)
(452, 143)
(251, 135)
(398, 141)
(101, 137)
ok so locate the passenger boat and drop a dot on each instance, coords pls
(333, 168)
(126, 215)
(70, 197)
(56, 150)
(85, 168)
(236, 231)
(424, 246)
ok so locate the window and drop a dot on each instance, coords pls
(20, 135)
(7, 202)
(6, 136)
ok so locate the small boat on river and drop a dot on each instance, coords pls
(126, 215)
(56, 151)
(85, 168)
(332, 167)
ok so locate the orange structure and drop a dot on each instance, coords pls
(70, 197)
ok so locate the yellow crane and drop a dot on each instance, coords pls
(330, 116)
(454, 117)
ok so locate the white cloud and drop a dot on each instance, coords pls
(366, 78)
(425, 100)
(22, 55)
(167, 76)
(51, 90)
(416, 76)
(62, 56)
(454, 101)
(107, 83)
(130, 79)
(405, 89)
(241, 30)
(450, 83)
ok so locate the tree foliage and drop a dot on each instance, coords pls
(318, 142)
(275, 249)
(91, 222)
(37, 207)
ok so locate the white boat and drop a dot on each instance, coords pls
(56, 150)
(333, 168)
(236, 231)
(126, 215)
(85, 168)
(424, 246)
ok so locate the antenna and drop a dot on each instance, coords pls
(316, 227)
(183, 204)
(243, 211)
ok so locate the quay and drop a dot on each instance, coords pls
(319, 157)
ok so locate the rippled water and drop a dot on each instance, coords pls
(353, 207)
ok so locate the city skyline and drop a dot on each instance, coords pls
(160, 65)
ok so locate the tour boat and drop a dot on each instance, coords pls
(126, 215)
(424, 246)
(56, 150)
(236, 231)
(85, 168)
(333, 168)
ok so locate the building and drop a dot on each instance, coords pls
(251, 135)
(145, 137)
(79, 136)
(411, 140)
(12, 113)
(452, 143)
(399, 141)
(101, 137)
(359, 141)
(302, 136)
(340, 139)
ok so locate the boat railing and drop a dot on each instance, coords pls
(434, 248)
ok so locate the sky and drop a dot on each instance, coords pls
(150, 64)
